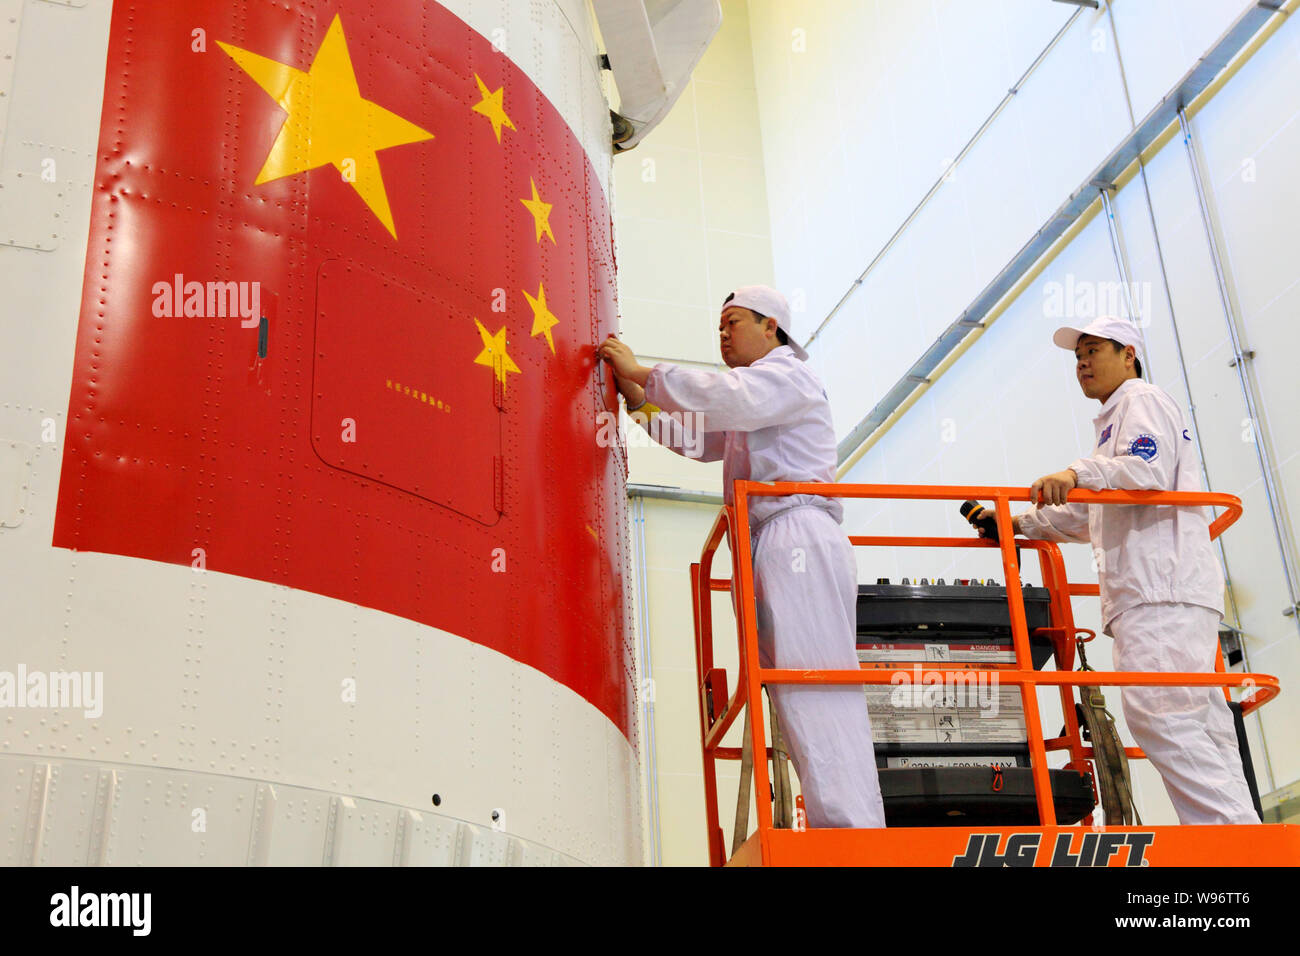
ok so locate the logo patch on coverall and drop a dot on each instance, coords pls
(1144, 446)
(1105, 434)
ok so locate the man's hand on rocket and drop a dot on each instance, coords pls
(623, 361)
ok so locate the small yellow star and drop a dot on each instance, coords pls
(543, 319)
(493, 107)
(494, 353)
(541, 212)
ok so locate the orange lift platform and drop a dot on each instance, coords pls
(1046, 844)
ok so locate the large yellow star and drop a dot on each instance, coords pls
(493, 107)
(543, 320)
(494, 353)
(328, 122)
(541, 212)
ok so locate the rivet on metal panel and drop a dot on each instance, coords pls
(464, 855)
(259, 842)
(339, 807)
(407, 823)
(37, 803)
(102, 818)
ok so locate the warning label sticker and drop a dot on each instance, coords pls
(955, 653)
(940, 761)
(958, 715)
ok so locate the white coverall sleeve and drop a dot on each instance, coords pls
(1146, 440)
(742, 399)
(669, 430)
(1067, 522)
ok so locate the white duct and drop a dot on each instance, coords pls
(653, 45)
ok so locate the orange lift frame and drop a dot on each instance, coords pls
(1045, 845)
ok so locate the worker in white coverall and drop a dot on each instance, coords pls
(768, 419)
(1161, 586)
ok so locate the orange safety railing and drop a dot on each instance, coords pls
(718, 711)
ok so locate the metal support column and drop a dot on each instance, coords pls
(1125, 277)
(646, 689)
(1241, 356)
(1230, 592)
(1233, 612)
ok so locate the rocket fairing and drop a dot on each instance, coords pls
(335, 369)
(397, 260)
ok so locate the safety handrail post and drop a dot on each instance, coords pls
(743, 576)
(1024, 662)
(1052, 565)
(701, 583)
(709, 754)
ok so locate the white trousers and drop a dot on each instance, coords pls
(806, 588)
(1187, 732)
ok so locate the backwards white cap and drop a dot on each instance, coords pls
(1122, 331)
(770, 304)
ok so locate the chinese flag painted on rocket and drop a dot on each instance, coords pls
(346, 273)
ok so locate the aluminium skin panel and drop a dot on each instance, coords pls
(324, 637)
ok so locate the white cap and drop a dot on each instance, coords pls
(1104, 327)
(770, 304)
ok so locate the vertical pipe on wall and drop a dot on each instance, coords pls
(1121, 266)
(1187, 387)
(1233, 611)
(1182, 366)
(647, 684)
(1229, 590)
(1244, 379)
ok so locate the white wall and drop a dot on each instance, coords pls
(1250, 141)
(859, 107)
(1009, 409)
